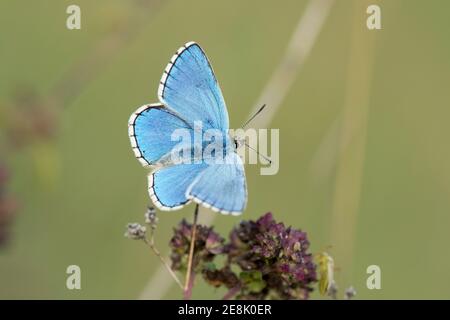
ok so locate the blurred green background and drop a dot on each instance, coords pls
(364, 156)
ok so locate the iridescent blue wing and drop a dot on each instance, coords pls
(189, 87)
(221, 187)
(189, 92)
(168, 185)
(150, 128)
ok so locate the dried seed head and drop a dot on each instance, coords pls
(151, 218)
(135, 231)
(332, 290)
(349, 293)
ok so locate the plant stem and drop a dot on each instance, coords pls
(188, 291)
(231, 293)
(188, 284)
(166, 265)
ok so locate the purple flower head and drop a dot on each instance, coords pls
(279, 253)
(207, 244)
(264, 259)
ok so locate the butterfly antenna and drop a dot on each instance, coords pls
(254, 116)
(259, 154)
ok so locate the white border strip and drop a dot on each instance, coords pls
(162, 83)
(132, 134)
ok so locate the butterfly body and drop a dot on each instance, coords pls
(191, 120)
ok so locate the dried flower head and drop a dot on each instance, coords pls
(264, 259)
(151, 218)
(220, 277)
(135, 231)
(276, 258)
(207, 244)
(332, 290)
(349, 293)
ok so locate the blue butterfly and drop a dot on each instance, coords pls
(189, 94)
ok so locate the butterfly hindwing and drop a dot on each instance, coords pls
(221, 187)
(168, 185)
(189, 87)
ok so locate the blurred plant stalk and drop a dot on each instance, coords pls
(352, 143)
